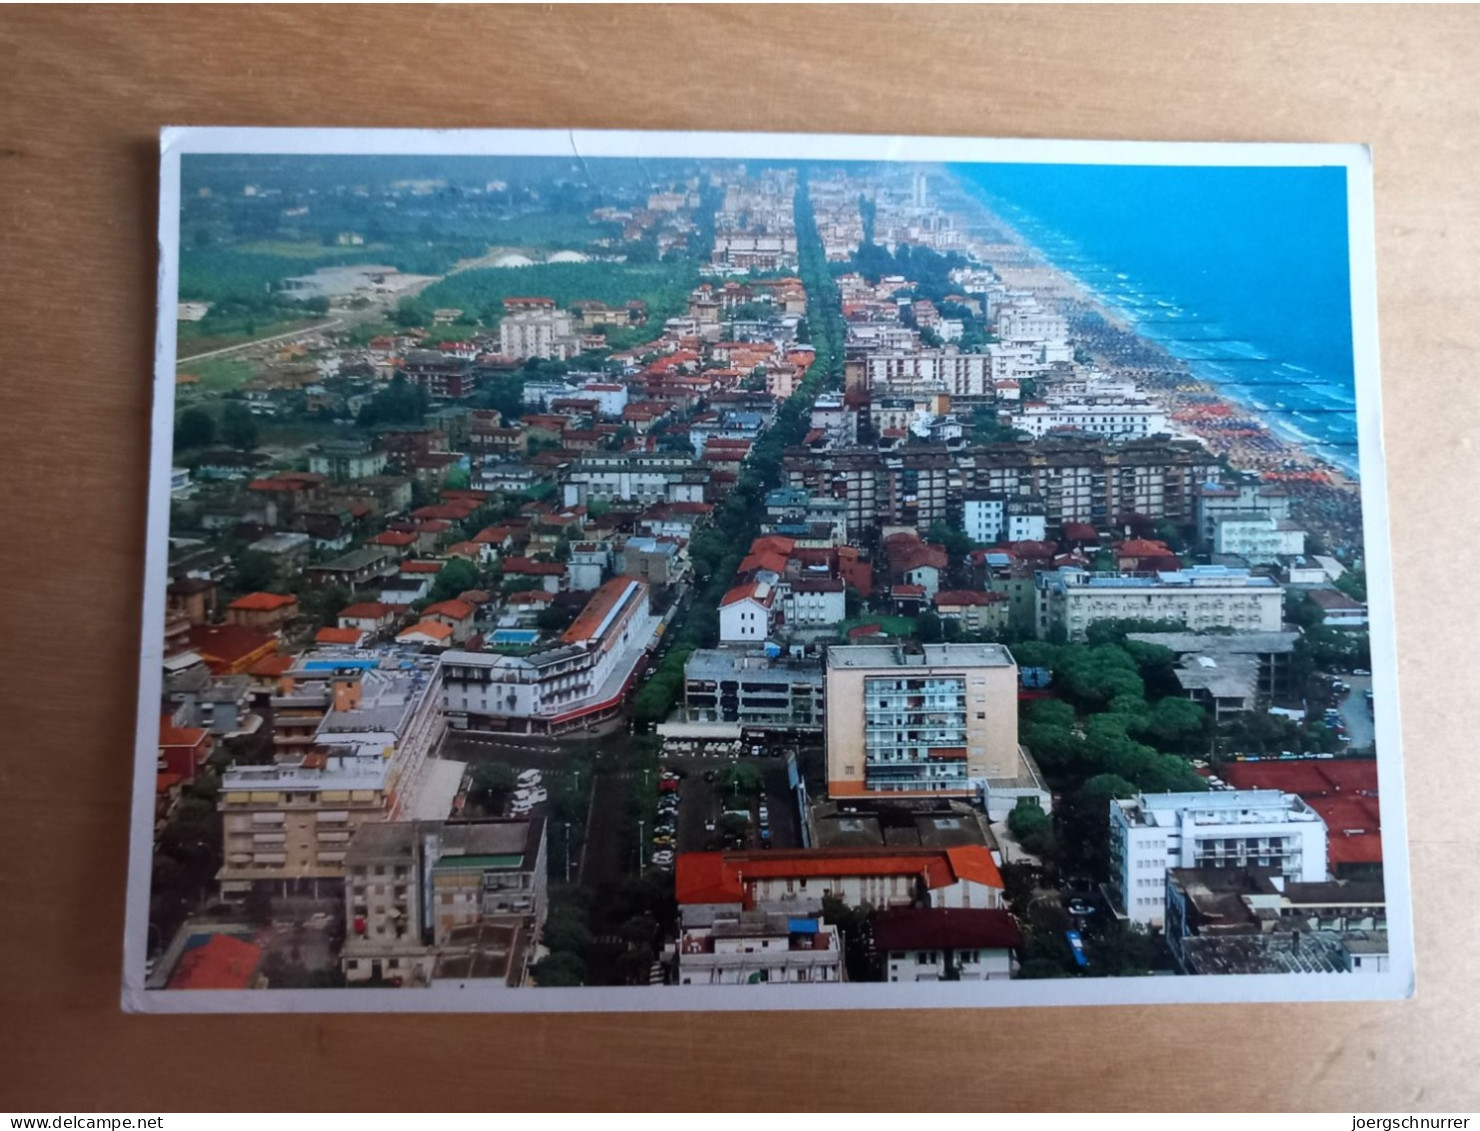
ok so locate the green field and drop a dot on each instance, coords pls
(306, 249)
(891, 625)
(223, 333)
(218, 374)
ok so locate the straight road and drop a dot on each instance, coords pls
(329, 325)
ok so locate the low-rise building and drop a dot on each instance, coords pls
(268, 612)
(753, 689)
(760, 947)
(346, 460)
(1257, 538)
(1337, 609)
(583, 679)
(1200, 597)
(712, 885)
(1232, 673)
(1262, 828)
(934, 944)
(1252, 921)
(747, 613)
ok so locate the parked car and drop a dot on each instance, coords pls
(1080, 907)
(530, 777)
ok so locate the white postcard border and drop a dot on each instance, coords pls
(1396, 982)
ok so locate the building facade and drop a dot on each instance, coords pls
(1239, 828)
(931, 719)
(1200, 597)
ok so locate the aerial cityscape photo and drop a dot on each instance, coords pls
(668, 573)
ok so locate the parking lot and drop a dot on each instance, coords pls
(702, 802)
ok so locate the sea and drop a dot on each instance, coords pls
(1241, 272)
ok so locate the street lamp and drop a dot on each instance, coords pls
(567, 852)
(641, 825)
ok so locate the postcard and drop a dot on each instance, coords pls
(626, 571)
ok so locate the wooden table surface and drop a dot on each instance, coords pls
(84, 92)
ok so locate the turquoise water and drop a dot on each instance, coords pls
(515, 635)
(1243, 273)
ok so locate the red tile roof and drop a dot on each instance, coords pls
(757, 591)
(602, 602)
(530, 567)
(457, 610)
(338, 636)
(1308, 778)
(393, 538)
(718, 877)
(181, 736)
(263, 602)
(945, 928)
(433, 628)
(367, 610)
(227, 643)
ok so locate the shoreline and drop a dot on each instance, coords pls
(1198, 407)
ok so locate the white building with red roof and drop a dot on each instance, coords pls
(747, 613)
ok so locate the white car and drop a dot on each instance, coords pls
(537, 796)
(530, 777)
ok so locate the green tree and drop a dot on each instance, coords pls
(928, 627)
(457, 576)
(194, 428)
(566, 930)
(492, 783)
(1171, 724)
(560, 968)
(1032, 827)
(239, 426)
(740, 779)
(255, 571)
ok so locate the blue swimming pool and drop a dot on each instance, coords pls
(515, 635)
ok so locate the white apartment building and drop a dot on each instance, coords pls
(929, 371)
(1217, 500)
(610, 398)
(582, 679)
(1120, 419)
(640, 477)
(1031, 323)
(1200, 597)
(990, 519)
(1260, 539)
(538, 333)
(1244, 828)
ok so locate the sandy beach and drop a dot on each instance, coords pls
(1328, 499)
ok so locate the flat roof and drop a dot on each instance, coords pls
(927, 655)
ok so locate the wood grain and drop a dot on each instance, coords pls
(84, 92)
